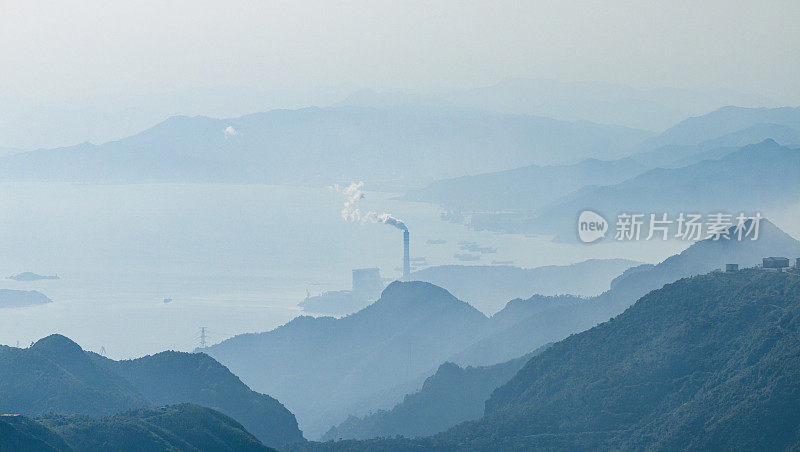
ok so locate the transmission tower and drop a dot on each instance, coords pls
(202, 337)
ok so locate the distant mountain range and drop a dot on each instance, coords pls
(108, 117)
(724, 122)
(524, 188)
(401, 145)
(706, 363)
(508, 200)
(524, 325)
(754, 178)
(605, 103)
(677, 155)
(178, 427)
(326, 145)
(489, 288)
(55, 375)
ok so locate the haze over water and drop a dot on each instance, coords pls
(234, 258)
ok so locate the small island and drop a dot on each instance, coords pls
(30, 276)
(19, 298)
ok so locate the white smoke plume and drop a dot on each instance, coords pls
(388, 219)
(351, 212)
(230, 132)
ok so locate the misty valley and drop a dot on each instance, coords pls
(413, 350)
(396, 226)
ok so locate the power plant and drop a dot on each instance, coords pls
(350, 212)
(406, 258)
(367, 284)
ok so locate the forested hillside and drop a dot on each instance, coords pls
(450, 396)
(706, 363)
(184, 427)
(55, 375)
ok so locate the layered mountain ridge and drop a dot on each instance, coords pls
(55, 375)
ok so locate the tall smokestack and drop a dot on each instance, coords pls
(350, 212)
(406, 258)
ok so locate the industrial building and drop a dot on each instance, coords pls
(367, 283)
(775, 262)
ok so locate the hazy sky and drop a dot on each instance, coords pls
(62, 50)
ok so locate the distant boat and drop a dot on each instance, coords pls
(167, 300)
(467, 257)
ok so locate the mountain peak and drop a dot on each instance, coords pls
(56, 344)
(416, 293)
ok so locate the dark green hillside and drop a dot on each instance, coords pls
(706, 363)
(56, 376)
(22, 434)
(174, 377)
(184, 427)
(711, 362)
